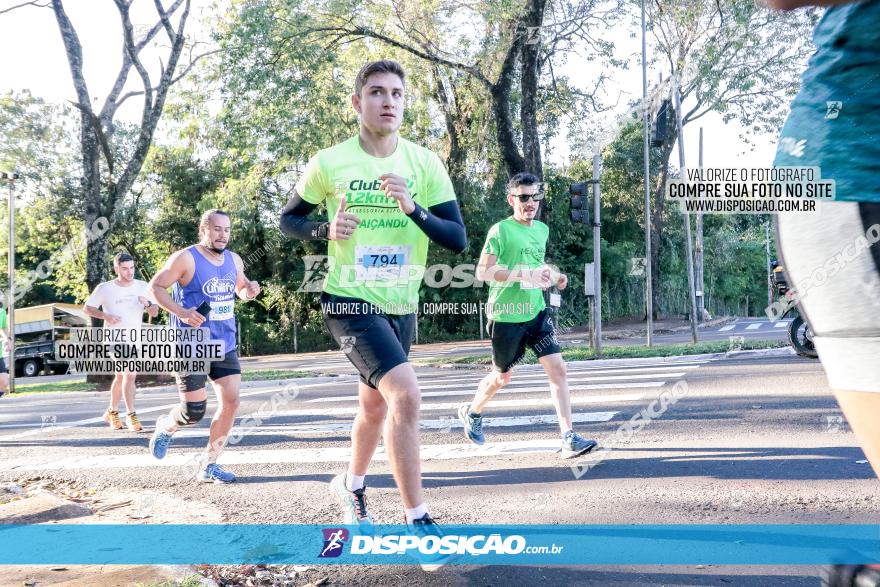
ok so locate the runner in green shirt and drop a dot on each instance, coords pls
(513, 265)
(385, 198)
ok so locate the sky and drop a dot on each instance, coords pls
(32, 57)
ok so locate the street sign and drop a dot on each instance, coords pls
(637, 266)
(589, 280)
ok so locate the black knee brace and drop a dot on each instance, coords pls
(189, 412)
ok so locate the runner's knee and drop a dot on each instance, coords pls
(503, 378)
(189, 412)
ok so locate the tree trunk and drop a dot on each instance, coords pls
(657, 223)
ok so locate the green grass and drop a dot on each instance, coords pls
(189, 581)
(29, 388)
(265, 374)
(627, 352)
(64, 386)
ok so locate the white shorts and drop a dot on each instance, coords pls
(832, 259)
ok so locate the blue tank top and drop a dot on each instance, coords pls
(215, 285)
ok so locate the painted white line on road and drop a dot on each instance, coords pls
(638, 373)
(100, 419)
(506, 390)
(726, 328)
(293, 455)
(453, 406)
(782, 324)
(514, 383)
(436, 424)
(754, 326)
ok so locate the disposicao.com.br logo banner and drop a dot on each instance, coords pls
(679, 544)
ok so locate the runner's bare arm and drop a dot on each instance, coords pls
(244, 287)
(178, 266)
(488, 271)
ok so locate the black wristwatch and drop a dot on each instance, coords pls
(321, 231)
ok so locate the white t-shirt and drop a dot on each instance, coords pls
(121, 301)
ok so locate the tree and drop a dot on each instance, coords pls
(735, 58)
(110, 166)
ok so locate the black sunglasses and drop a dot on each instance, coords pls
(525, 197)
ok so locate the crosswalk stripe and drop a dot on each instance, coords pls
(506, 390)
(514, 383)
(452, 406)
(291, 455)
(781, 324)
(726, 328)
(443, 423)
(638, 373)
(754, 326)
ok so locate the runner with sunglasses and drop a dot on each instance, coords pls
(513, 265)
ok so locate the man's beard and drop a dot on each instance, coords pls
(210, 246)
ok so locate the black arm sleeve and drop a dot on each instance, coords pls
(443, 225)
(295, 224)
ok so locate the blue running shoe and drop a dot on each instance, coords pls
(426, 526)
(212, 473)
(574, 445)
(473, 425)
(160, 440)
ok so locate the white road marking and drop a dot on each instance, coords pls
(294, 455)
(506, 390)
(754, 326)
(726, 328)
(782, 324)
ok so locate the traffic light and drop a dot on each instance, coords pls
(660, 127)
(580, 203)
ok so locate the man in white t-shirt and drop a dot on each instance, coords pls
(122, 302)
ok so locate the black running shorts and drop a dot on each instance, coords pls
(510, 339)
(374, 342)
(219, 369)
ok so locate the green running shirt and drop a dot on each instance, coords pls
(835, 119)
(384, 261)
(516, 246)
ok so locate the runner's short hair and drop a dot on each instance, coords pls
(119, 258)
(522, 178)
(205, 220)
(381, 66)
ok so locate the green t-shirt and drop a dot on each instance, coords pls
(4, 324)
(516, 246)
(383, 263)
(835, 119)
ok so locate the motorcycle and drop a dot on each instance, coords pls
(800, 335)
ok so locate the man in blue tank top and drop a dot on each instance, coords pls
(202, 273)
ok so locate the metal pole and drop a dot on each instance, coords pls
(698, 254)
(649, 291)
(9, 180)
(480, 305)
(597, 252)
(769, 269)
(687, 217)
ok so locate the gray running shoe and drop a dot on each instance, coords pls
(473, 425)
(573, 445)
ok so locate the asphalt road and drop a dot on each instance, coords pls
(754, 440)
(748, 328)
